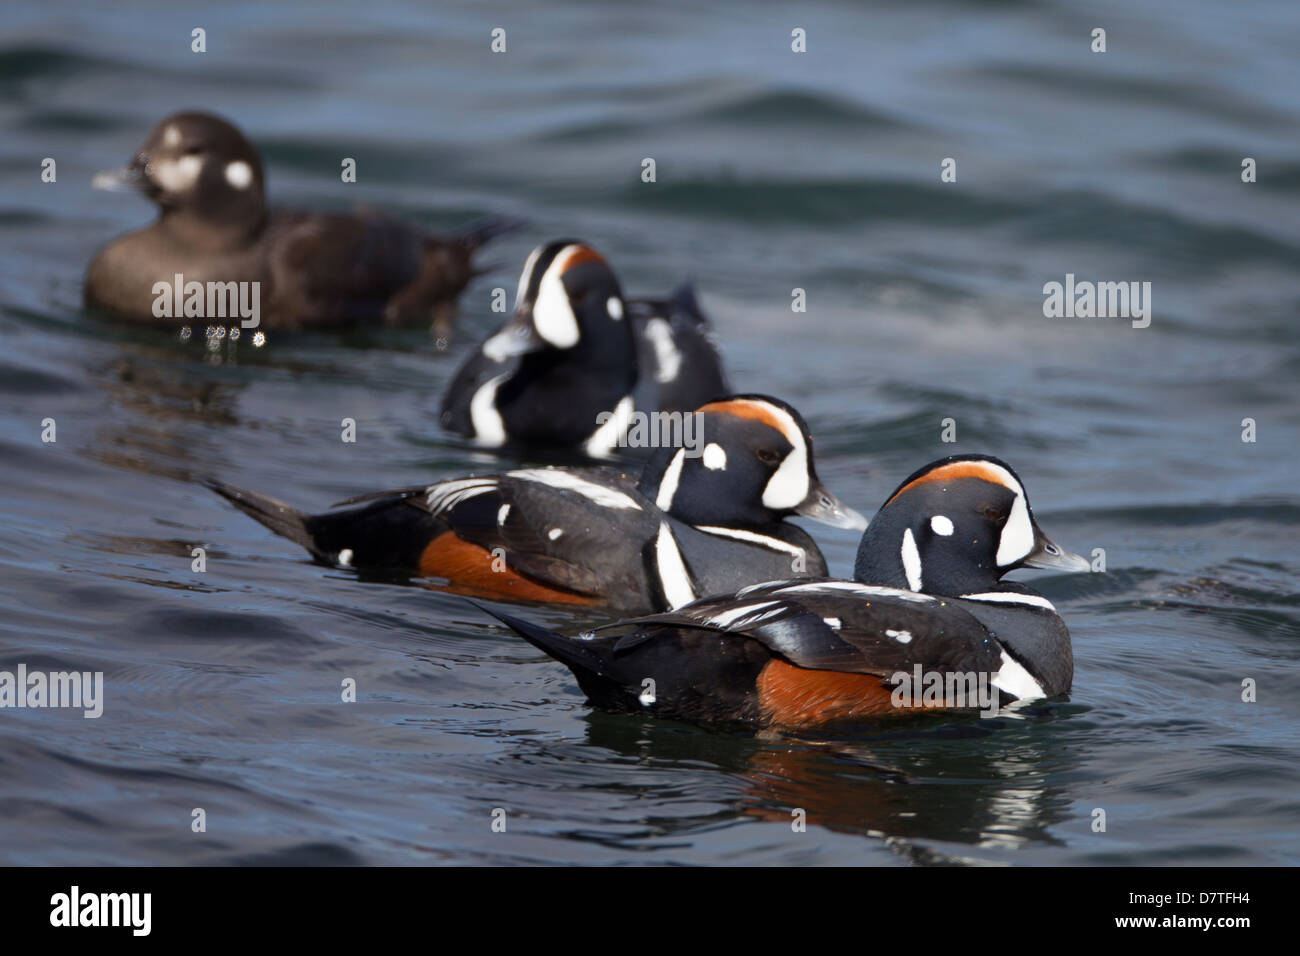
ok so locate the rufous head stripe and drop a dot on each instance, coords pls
(956, 470)
(756, 411)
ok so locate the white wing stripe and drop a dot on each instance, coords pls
(556, 478)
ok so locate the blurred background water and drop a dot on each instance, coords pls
(775, 170)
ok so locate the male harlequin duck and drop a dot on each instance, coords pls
(678, 364)
(928, 597)
(316, 270)
(577, 360)
(700, 520)
(561, 372)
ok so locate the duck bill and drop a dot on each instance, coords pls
(518, 337)
(821, 505)
(1050, 556)
(129, 179)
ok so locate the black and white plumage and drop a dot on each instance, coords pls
(577, 360)
(679, 365)
(696, 521)
(820, 651)
(562, 372)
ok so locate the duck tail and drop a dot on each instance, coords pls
(578, 656)
(279, 517)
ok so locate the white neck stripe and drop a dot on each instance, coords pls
(774, 544)
(604, 439)
(911, 558)
(1010, 597)
(668, 484)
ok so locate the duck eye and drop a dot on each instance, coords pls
(193, 150)
(768, 456)
(996, 515)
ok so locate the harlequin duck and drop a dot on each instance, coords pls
(700, 520)
(678, 364)
(928, 600)
(316, 270)
(561, 373)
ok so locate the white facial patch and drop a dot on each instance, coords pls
(668, 484)
(553, 316)
(345, 557)
(715, 457)
(941, 525)
(1017, 534)
(614, 306)
(239, 174)
(1017, 539)
(503, 513)
(171, 136)
(790, 485)
(911, 560)
(177, 175)
(555, 533)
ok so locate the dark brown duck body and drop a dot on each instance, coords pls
(312, 270)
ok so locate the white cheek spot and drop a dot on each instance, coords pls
(941, 524)
(554, 533)
(345, 557)
(911, 561)
(903, 637)
(502, 513)
(239, 174)
(615, 307)
(715, 458)
(171, 136)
